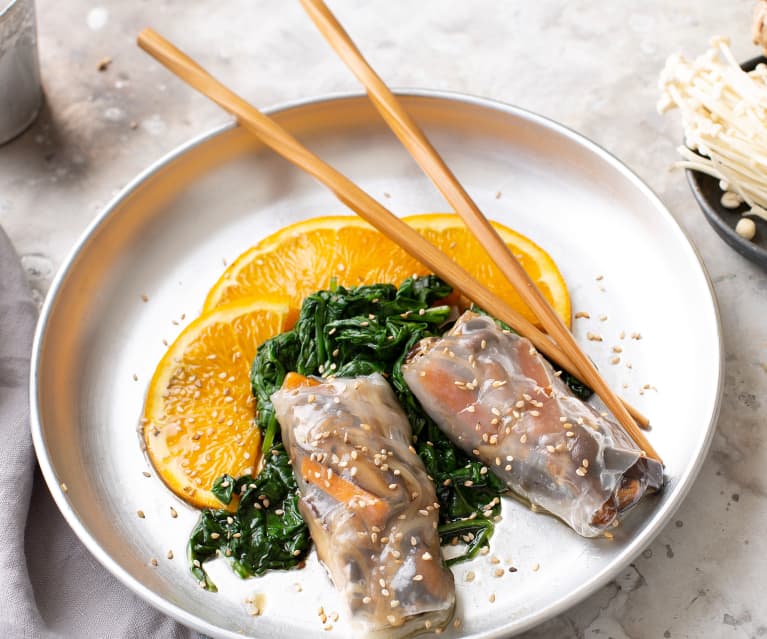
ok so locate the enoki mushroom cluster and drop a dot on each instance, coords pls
(724, 113)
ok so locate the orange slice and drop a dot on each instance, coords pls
(198, 420)
(449, 233)
(303, 257)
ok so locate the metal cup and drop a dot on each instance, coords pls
(20, 90)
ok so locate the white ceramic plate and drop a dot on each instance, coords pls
(165, 237)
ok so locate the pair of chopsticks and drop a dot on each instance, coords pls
(563, 350)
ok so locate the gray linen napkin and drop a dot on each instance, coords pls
(50, 585)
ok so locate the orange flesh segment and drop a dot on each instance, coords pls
(198, 420)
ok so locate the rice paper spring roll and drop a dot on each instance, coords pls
(496, 398)
(371, 509)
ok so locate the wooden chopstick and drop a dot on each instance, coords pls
(432, 164)
(274, 136)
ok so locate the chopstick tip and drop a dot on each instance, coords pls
(145, 34)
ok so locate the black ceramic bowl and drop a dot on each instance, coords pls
(708, 194)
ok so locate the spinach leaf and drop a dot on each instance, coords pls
(223, 489)
(265, 533)
(578, 388)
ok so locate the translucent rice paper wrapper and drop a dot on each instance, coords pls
(496, 398)
(371, 509)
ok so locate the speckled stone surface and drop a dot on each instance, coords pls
(591, 65)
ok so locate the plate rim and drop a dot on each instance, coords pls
(633, 548)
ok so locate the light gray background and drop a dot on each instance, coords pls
(591, 65)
